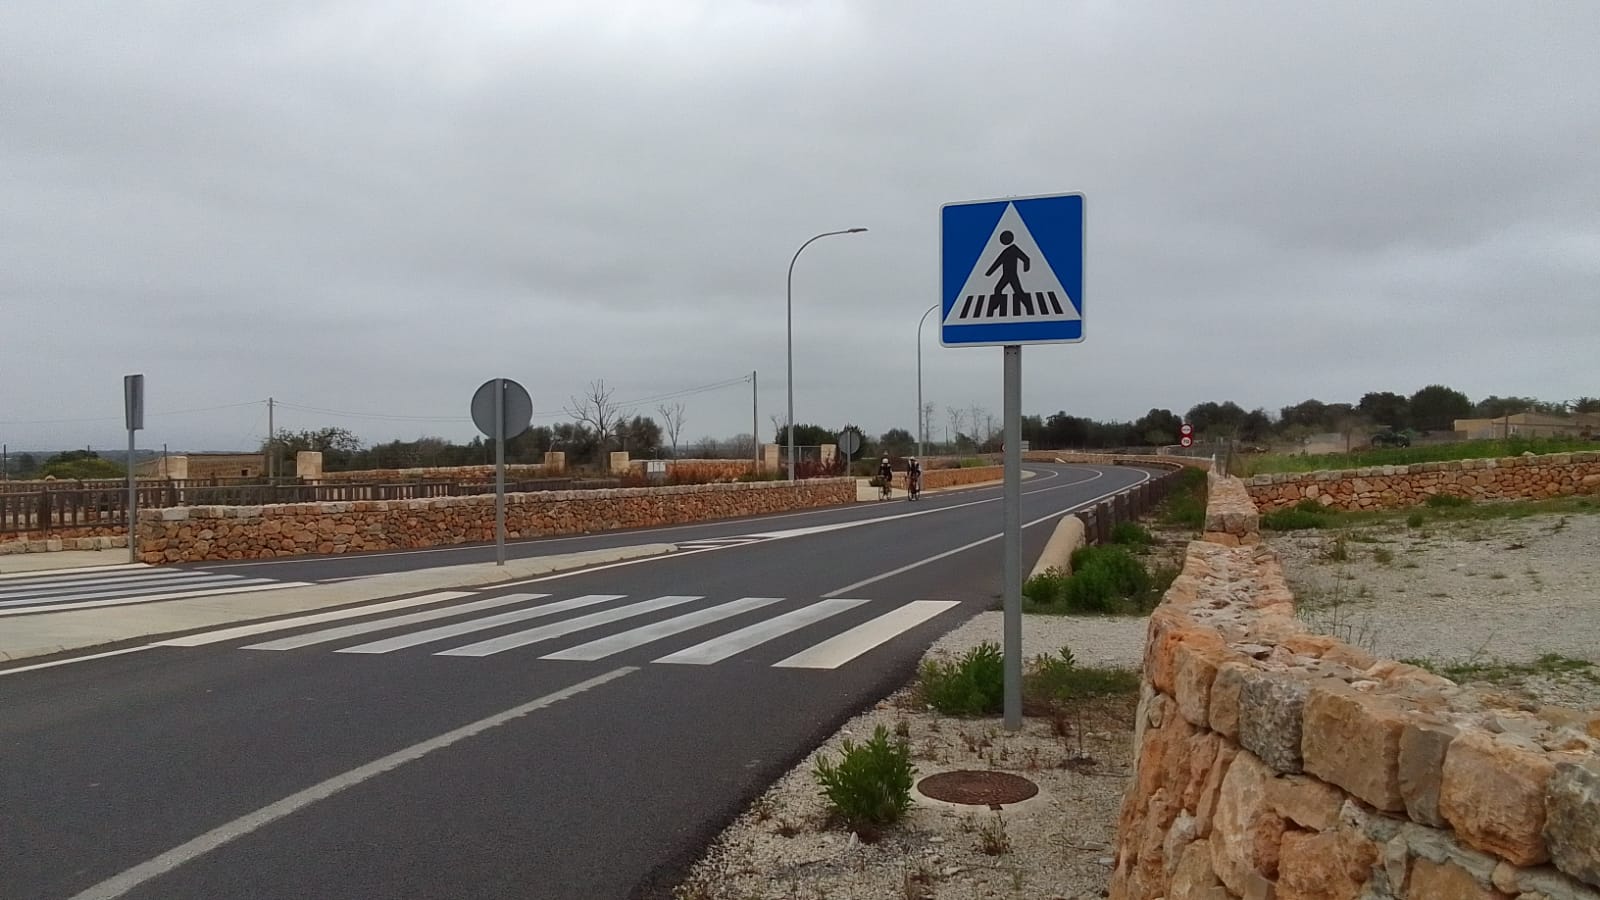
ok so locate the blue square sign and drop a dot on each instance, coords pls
(1012, 271)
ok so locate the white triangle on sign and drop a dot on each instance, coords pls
(1041, 299)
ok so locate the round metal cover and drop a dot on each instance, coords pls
(976, 787)
(849, 443)
(518, 408)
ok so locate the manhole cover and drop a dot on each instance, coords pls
(977, 788)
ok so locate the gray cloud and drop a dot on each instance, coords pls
(373, 207)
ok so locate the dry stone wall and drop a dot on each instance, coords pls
(1391, 487)
(194, 534)
(465, 474)
(97, 537)
(945, 478)
(1276, 763)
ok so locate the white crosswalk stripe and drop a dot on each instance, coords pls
(460, 628)
(735, 642)
(555, 630)
(645, 634)
(23, 593)
(672, 615)
(840, 649)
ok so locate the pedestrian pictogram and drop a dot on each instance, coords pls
(1013, 271)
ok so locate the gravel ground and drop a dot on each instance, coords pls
(1058, 844)
(1483, 593)
(1479, 592)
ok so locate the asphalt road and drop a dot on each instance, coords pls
(576, 736)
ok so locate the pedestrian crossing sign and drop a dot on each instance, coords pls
(1012, 271)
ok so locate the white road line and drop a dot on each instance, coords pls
(83, 572)
(558, 629)
(845, 646)
(644, 634)
(852, 588)
(334, 615)
(427, 615)
(242, 587)
(120, 884)
(74, 583)
(735, 642)
(112, 589)
(400, 642)
(76, 659)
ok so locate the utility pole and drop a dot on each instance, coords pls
(272, 436)
(755, 424)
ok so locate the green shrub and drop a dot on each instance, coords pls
(1296, 519)
(1131, 534)
(1051, 682)
(973, 685)
(971, 463)
(1046, 588)
(1447, 501)
(1186, 504)
(1415, 520)
(870, 786)
(1104, 580)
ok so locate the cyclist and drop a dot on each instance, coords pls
(885, 477)
(913, 477)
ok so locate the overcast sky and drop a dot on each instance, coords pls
(374, 206)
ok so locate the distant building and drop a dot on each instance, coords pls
(1529, 424)
(204, 466)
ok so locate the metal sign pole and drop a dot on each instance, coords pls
(500, 472)
(133, 416)
(1012, 630)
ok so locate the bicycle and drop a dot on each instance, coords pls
(913, 485)
(885, 487)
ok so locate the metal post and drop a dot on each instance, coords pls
(755, 424)
(500, 471)
(922, 430)
(133, 505)
(1013, 539)
(790, 332)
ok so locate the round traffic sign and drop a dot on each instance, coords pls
(517, 406)
(1186, 429)
(1186, 440)
(849, 442)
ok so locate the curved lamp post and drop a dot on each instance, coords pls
(922, 430)
(791, 336)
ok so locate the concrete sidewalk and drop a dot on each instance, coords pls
(44, 633)
(44, 563)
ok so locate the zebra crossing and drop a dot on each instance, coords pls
(591, 627)
(118, 585)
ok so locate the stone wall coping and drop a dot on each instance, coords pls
(1457, 465)
(295, 510)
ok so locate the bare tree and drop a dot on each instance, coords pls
(710, 448)
(596, 411)
(927, 423)
(673, 417)
(975, 415)
(957, 416)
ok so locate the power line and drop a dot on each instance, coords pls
(173, 412)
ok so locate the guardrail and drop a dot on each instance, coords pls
(1127, 506)
(104, 504)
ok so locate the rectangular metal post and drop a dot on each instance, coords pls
(500, 471)
(133, 505)
(1013, 537)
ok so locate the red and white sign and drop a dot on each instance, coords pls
(1186, 429)
(1186, 440)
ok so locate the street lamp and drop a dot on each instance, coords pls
(791, 335)
(922, 430)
